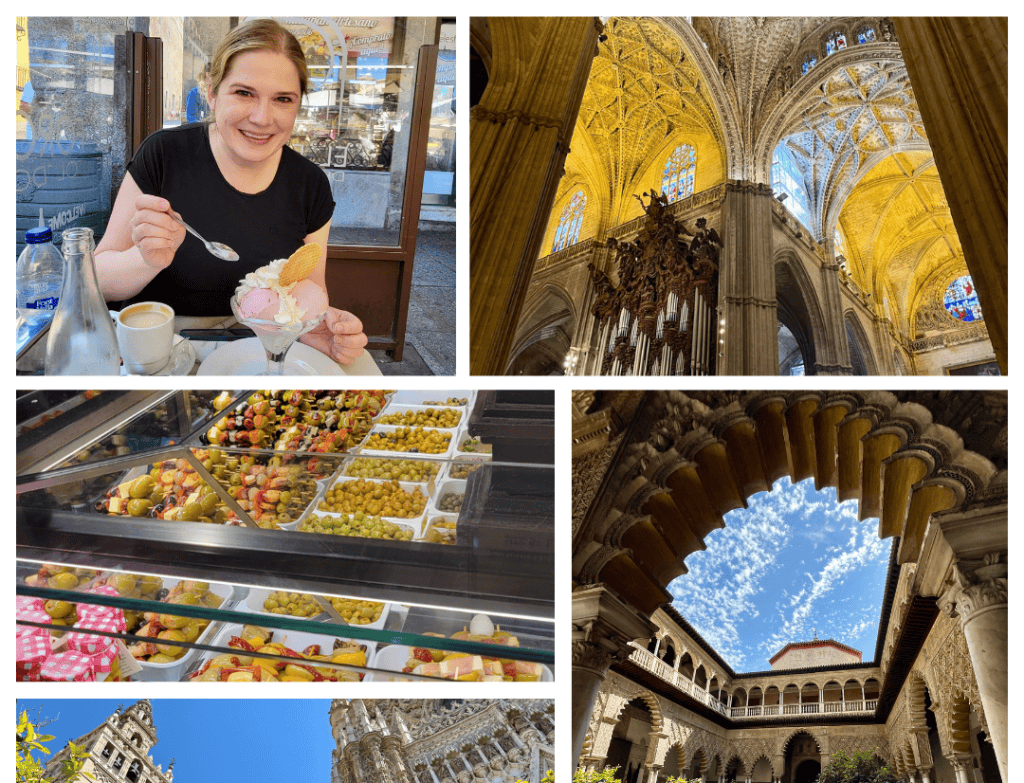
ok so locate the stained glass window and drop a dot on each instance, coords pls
(866, 36)
(677, 181)
(835, 42)
(787, 178)
(809, 63)
(569, 224)
(961, 300)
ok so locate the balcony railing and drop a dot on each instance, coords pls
(646, 660)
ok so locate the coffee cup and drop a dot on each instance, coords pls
(145, 336)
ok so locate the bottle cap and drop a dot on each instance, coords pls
(38, 235)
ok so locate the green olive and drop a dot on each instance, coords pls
(142, 486)
(139, 507)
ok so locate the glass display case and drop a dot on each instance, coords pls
(299, 535)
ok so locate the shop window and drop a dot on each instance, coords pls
(569, 224)
(809, 63)
(787, 178)
(68, 96)
(835, 42)
(439, 177)
(961, 300)
(867, 35)
(677, 181)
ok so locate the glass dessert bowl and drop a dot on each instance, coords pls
(277, 338)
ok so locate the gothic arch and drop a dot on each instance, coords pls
(546, 331)
(731, 136)
(861, 354)
(711, 460)
(798, 306)
(788, 112)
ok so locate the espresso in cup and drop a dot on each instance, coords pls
(145, 335)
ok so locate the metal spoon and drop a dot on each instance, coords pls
(223, 252)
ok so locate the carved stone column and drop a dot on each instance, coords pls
(399, 773)
(602, 627)
(978, 596)
(520, 134)
(747, 300)
(834, 355)
(958, 68)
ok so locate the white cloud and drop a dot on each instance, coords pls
(730, 586)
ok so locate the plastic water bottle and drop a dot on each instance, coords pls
(82, 340)
(40, 272)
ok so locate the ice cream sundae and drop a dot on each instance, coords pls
(279, 303)
(281, 291)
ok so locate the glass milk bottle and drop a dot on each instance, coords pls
(82, 340)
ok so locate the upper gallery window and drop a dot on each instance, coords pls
(569, 224)
(787, 178)
(835, 42)
(809, 63)
(867, 35)
(677, 181)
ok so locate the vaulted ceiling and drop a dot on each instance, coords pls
(733, 88)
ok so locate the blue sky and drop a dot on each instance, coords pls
(792, 563)
(224, 740)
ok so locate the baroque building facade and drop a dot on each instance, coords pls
(849, 175)
(442, 740)
(119, 749)
(653, 475)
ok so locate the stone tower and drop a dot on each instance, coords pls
(442, 740)
(119, 749)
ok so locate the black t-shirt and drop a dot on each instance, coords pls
(178, 165)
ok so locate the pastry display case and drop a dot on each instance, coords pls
(292, 535)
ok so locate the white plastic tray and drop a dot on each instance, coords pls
(381, 428)
(296, 640)
(456, 486)
(393, 409)
(415, 523)
(394, 657)
(422, 397)
(254, 604)
(162, 672)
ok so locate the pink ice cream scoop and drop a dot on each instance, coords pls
(259, 303)
(311, 298)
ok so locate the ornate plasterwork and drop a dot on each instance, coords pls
(587, 473)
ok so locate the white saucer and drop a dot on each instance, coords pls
(247, 357)
(183, 357)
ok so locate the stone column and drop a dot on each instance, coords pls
(834, 355)
(747, 300)
(397, 766)
(979, 597)
(602, 627)
(520, 134)
(958, 69)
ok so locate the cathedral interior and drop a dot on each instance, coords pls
(654, 472)
(739, 195)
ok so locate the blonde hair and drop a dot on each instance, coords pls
(259, 35)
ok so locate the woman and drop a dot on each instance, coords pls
(234, 181)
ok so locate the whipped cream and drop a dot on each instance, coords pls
(268, 277)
